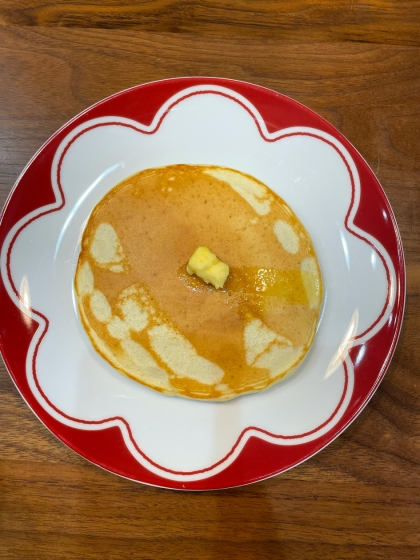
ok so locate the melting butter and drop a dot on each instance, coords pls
(204, 264)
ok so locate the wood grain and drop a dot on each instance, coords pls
(360, 497)
(376, 21)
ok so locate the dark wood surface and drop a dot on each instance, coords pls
(357, 63)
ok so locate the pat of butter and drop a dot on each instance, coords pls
(208, 267)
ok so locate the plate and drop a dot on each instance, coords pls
(172, 442)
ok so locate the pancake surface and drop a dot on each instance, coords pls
(173, 332)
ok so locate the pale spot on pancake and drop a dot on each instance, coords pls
(85, 280)
(286, 236)
(106, 248)
(100, 307)
(116, 268)
(135, 305)
(144, 366)
(118, 329)
(181, 357)
(225, 392)
(223, 388)
(253, 192)
(130, 291)
(254, 221)
(311, 281)
(257, 338)
(279, 359)
(135, 317)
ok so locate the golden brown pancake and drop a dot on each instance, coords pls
(173, 332)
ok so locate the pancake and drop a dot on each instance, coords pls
(168, 329)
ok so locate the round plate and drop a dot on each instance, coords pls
(178, 443)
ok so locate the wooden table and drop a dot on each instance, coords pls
(356, 63)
